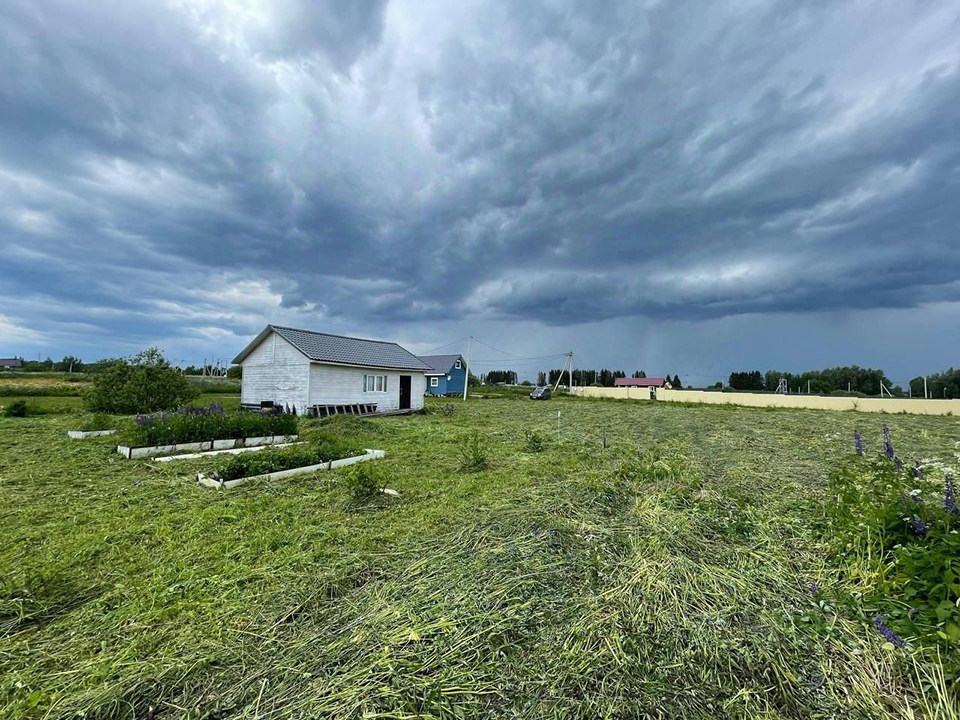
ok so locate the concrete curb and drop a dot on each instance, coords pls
(279, 475)
(80, 434)
(228, 444)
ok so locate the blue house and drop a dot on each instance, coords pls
(446, 375)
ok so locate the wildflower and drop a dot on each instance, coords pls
(920, 528)
(889, 634)
(897, 463)
(888, 444)
(950, 497)
(813, 588)
(858, 442)
(917, 469)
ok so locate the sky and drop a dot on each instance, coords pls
(680, 187)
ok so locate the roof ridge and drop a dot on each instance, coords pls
(345, 337)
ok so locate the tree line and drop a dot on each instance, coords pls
(838, 380)
(71, 363)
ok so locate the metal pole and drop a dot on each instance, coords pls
(925, 396)
(570, 371)
(466, 379)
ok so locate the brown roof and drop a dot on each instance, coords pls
(639, 382)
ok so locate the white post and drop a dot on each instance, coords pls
(925, 396)
(570, 370)
(466, 380)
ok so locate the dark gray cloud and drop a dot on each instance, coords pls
(182, 172)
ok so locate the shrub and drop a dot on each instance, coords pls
(900, 526)
(362, 481)
(18, 408)
(97, 421)
(473, 455)
(145, 382)
(534, 442)
(322, 450)
(207, 423)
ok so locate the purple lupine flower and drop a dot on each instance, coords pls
(897, 463)
(888, 444)
(950, 497)
(813, 588)
(917, 469)
(858, 442)
(889, 634)
(920, 528)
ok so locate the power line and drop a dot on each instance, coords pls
(425, 352)
(518, 357)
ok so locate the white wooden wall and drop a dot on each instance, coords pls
(337, 385)
(275, 370)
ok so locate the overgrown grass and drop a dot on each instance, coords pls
(669, 575)
(321, 449)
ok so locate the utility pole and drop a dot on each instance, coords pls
(560, 376)
(570, 370)
(466, 380)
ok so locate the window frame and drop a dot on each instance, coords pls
(371, 381)
(459, 364)
(434, 381)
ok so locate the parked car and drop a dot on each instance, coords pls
(541, 393)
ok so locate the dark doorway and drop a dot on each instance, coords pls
(404, 392)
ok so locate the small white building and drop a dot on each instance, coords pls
(323, 374)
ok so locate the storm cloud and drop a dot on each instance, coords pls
(183, 172)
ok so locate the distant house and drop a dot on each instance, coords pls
(323, 374)
(447, 374)
(641, 382)
(11, 363)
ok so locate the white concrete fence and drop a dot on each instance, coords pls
(913, 406)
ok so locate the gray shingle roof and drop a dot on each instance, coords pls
(322, 347)
(440, 363)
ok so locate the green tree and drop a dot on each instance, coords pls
(145, 382)
(676, 383)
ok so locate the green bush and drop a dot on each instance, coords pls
(363, 481)
(97, 421)
(473, 455)
(145, 382)
(208, 423)
(18, 408)
(534, 442)
(322, 450)
(900, 526)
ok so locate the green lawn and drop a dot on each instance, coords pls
(664, 576)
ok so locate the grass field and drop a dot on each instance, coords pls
(667, 575)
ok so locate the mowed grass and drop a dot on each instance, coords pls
(664, 576)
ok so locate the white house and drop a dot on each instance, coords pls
(327, 374)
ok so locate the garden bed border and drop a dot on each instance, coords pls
(280, 474)
(226, 444)
(80, 434)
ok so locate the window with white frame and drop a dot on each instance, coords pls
(457, 365)
(374, 383)
(434, 382)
